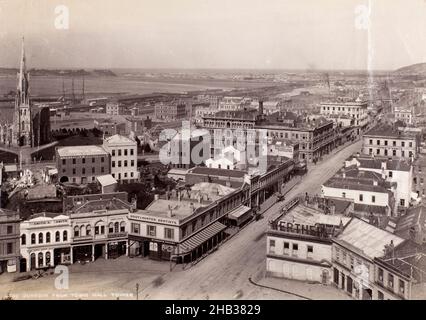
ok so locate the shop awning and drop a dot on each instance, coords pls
(200, 237)
(238, 212)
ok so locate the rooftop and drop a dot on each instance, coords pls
(389, 132)
(367, 239)
(302, 214)
(106, 180)
(377, 163)
(78, 151)
(218, 172)
(180, 209)
(119, 140)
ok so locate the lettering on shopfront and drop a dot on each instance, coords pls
(318, 230)
(152, 219)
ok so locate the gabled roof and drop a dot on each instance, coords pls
(119, 139)
(366, 239)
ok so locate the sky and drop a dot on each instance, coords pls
(235, 34)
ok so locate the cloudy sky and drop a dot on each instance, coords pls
(278, 34)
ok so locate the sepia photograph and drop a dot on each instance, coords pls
(233, 151)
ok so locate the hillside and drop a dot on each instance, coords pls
(414, 69)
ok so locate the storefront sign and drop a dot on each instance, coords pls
(318, 230)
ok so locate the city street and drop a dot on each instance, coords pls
(222, 275)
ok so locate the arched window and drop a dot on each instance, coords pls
(76, 231)
(65, 236)
(88, 230)
(116, 227)
(57, 236)
(40, 259)
(33, 237)
(122, 226)
(48, 237)
(111, 228)
(47, 258)
(40, 237)
(23, 239)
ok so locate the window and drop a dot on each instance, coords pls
(23, 239)
(9, 249)
(125, 152)
(394, 153)
(352, 263)
(361, 197)
(102, 159)
(9, 229)
(83, 171)
(295, 249)
(386, 152)
(113, 164)
(73, 161)
(40, 237)
(380, 295)
(40, 259)
(64, 161)
(401, 287)
(119, 164)
(380, 275)
(76, 231)
(402, 153)
(415, 180)
(402, 202)
(119, 152)
(116, 227)
(88, 230)
(373, 199)
(113, 153)
(344, 257)
(390, 281)
(93, 160)
(73, 172)
(402, 143)
(47, 258)
(125, 163)
(57, 236)
(131, 152)
(271, 246)
(370, 151)
(102, 169)
(93, 170)
(371, 142)
(386, 142)
(48, 237)
(286, 247)
(169, 233)
(136, 228)
(378, 142)
(83, 160)
(151, 230)
(33, 238)
(390, 174)
(310, 252)
(132, 163)
(122, 226)
(65, 236)
(394, 143)
(378, 151)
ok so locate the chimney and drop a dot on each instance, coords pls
(344, 173)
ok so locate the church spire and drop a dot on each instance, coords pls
(22, 89)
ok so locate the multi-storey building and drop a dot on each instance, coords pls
(124, 157)
(419, 175)
(114, 108)
(404, 115)
(184, 225)
(174, 110)
(399, 171)
(353, 258)
(9, 241)
(45, 241)
(233, 103)
(356, 110)
(315, 137)
(387, 142)
(369, 192)
(299, 243)
(82, 164)
(98, 225)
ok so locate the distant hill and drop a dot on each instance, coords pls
(414, 69)
(59, 72)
